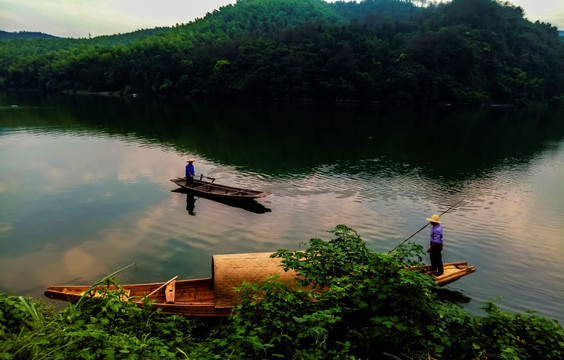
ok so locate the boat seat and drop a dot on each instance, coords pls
(170, 292)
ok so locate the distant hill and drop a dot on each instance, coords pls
(128, 38)
(103, 40)
(462, 51)
(5, 35)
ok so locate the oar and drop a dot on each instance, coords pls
(207, 177)
(162, 286)
(418, 231)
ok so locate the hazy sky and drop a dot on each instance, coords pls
(79, 18)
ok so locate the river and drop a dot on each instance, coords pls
(85, 190)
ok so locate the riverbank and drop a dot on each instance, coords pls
(409, 317)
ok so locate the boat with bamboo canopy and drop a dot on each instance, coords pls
(215, 296)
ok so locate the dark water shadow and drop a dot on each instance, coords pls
(441, 143)
(250, 205)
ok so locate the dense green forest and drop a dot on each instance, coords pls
(354, 303)
(463, 51)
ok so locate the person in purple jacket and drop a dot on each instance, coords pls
(436, 246)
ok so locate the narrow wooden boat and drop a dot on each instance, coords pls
(452, 272)
(209, 189)
(215, 296)
(183, 297)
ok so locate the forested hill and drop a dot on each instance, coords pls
(465, 51)
(6, 35)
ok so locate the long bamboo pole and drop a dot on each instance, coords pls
(418, 231)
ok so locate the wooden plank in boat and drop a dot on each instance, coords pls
(170, 292)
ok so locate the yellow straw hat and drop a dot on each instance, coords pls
(190, 160)
(434, 218)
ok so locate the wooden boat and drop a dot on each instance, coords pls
(185, 297)
(209, 189)
(452, 272)
(215, 296)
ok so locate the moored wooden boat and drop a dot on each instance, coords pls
(215, 296)
(191, 297)
(210, 189)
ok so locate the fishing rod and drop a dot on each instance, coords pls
(418, 231)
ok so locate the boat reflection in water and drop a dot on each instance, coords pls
(249, 205)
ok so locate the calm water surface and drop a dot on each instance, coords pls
(85, 190)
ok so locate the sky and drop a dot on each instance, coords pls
(84, 18)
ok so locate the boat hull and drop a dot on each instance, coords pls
(192, 297)
(452, 272)
(209, 189)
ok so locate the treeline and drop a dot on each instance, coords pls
(465, 51)
(6, 35)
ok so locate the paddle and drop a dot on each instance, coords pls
(207, 177)
(418, 231)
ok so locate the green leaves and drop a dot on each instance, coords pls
(518, 336)
(108, 328)
(356, 303)
(348, 297)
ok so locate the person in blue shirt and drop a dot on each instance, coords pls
(190, 173)
(436, 246)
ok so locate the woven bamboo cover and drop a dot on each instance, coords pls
(231, 270)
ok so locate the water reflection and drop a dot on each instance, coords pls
(445, 144)
(250, 205)
(190, 204)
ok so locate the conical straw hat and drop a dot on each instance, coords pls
(434, 218)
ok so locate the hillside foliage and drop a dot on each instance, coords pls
(464, 51)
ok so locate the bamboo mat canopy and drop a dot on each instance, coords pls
(231, 270)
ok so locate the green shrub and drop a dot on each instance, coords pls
(353, 303)
(105, 328)
(518, 336)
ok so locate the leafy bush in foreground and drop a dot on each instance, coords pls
(351, 303)
(103, 329)
(358, 304)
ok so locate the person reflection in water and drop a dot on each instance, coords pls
(190, 204)
(436, 245)
(190, 173)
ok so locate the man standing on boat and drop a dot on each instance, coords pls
(190, 173)
(436, 245)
